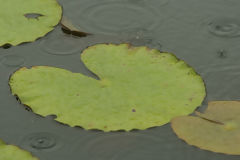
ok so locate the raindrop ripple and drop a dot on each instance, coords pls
(12, 60)
(41, 141)
(111, 17)
(225, 27)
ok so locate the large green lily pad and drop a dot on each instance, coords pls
(10, 152)
(138, 88)
(25, 21)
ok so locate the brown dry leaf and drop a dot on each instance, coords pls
(215, 130)
(69, 28)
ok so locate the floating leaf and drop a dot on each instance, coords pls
(26, 21)
(10, 152)
(138, 88)
(215, 130)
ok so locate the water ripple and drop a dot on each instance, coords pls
(58, 43)
(225, 27)
(12, 60)
(111, 17)
(42, 141)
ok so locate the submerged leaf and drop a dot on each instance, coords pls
(69, 28)
(215, 130)
(138, 88)
(10, 152)
(26, 21)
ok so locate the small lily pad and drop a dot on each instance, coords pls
(11, 152)
(215, 130)
(26, 21)
(137, 88)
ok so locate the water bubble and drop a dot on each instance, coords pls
(222, 53)
(12, 60)
(42, 141)
(226, 27)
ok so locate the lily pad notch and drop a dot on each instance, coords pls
(138, 88)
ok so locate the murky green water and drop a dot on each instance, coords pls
(204, 33)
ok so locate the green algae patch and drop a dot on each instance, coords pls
(216, 130)
(10, 152)
(25, 21)
(138, 88)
